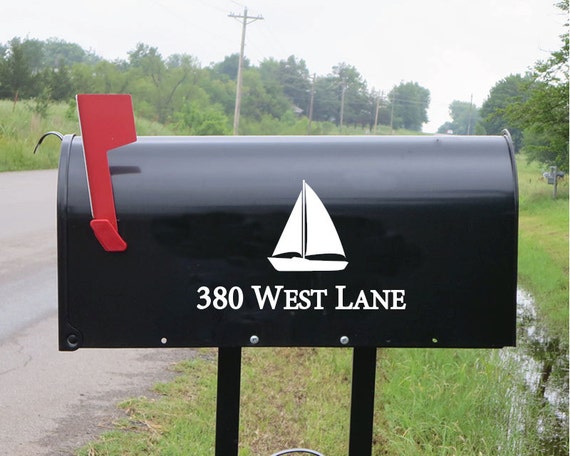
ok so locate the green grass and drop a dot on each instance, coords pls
(179, 422)
(448, 402)
(543, 246)
(429, 402)
(21, 127)
(20, 130)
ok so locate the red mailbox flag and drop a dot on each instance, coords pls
(107, 122)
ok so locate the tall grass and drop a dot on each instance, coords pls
(543, 245)
(448, 402)
(20, 129)
(429, 402)
(21, 126)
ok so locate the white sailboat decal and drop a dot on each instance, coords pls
(309, 232)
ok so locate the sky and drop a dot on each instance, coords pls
(458, 49)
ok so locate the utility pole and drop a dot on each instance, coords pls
(379, 96)
(246, 20)
(311, 104)
(344, 87)
(469, 121)
(392, 115)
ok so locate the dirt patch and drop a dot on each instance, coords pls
(97, 411)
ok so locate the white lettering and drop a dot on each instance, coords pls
(267, 295)
(291, 300)
(377, 298)
(398, 300)
(222, 298)
(360, 300)
(304, 302)
(388, 299)
(304, 295)
(340, 300)
(319, 294)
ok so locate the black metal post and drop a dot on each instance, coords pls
(362, 401)
(227, 406)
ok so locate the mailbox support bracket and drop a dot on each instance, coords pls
(361, 407)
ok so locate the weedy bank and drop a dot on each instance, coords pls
(22, 124)
(429, 402)
(543, 245)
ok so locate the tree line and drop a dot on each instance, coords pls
(198, 100)
(284, 97)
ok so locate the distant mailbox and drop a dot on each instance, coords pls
(283, 241)
(553, 175)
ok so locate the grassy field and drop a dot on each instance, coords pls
(543, 245)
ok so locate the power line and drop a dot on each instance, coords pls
(245, 21)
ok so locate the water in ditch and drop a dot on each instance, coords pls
(538, 422)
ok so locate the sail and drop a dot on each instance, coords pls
(291, 240)
(321, 237)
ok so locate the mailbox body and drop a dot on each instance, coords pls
(428, 226)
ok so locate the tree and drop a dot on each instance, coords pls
(494, 118)
(409, 103)
(269, 74)
(33, 51)
(108, 78)
(289, 78)
(259, 99)
(353, 95)
(464, 115)
(15, 72)
(294, 77)
(57, 83)
(327, 100)
(148, 60)
(544, 114)
(201, 120)
(342, 97)
(229, 66)
(221, 92)
(31, 68)
(56, 52)
(155, 81)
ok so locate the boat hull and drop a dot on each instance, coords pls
(298, 264)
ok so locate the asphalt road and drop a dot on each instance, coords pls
(52, 402)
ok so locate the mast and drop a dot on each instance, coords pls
(303, 221)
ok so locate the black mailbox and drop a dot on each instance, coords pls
(287, 241)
